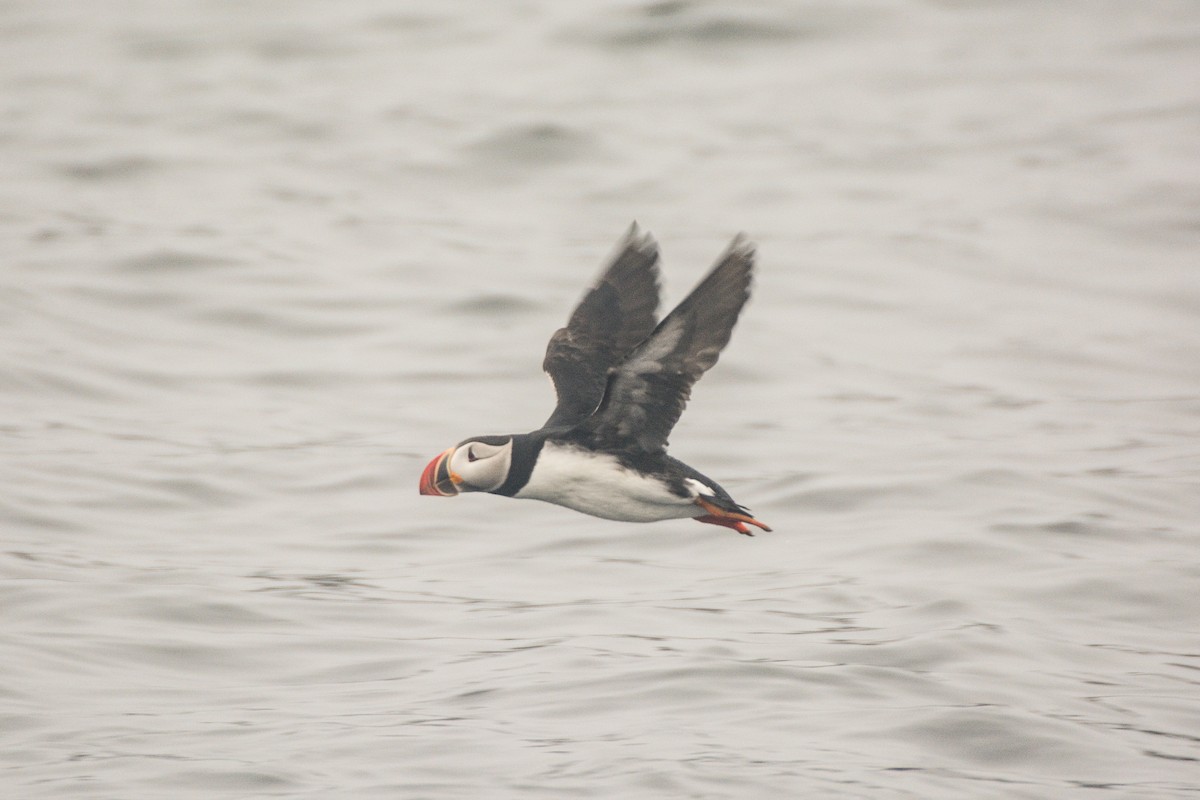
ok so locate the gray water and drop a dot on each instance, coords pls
(261, 261)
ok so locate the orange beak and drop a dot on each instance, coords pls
(437, 479)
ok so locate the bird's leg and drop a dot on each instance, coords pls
(730, 519)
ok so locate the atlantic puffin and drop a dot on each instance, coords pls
(621, 382)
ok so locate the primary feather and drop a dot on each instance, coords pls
(648, 390)
(617, 313)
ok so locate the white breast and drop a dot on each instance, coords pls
(596, 484)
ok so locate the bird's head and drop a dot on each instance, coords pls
(479, 464)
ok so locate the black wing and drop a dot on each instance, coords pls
(647, 392)
(613, 317)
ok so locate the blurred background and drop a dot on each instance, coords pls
(261, 261)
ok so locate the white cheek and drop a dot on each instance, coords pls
(461, 465)
(483, 474)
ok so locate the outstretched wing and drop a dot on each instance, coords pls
(647, 392)
(617, 313)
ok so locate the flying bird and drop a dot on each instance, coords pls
(622, 380)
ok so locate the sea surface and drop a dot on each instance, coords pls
(259, 262)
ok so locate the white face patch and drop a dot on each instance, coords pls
(482, 467)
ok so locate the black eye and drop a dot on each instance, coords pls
(471, 455)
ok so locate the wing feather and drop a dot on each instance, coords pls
(647, 392)
(616, 314)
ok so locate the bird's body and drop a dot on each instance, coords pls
(597, 483)
(622, 382)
